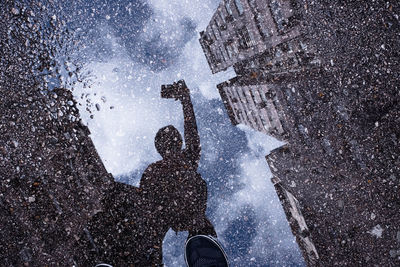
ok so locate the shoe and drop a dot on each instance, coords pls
(204, 251)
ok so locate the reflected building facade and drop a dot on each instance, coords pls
(304, 80)
(255, 105)
(245, 31)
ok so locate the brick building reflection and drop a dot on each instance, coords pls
(330, 94)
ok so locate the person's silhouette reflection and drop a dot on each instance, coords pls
(172, 194)
(174, 182)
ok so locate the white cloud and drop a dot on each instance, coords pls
(124, 135)
(258, 193)
(192, 64)
(198, 10)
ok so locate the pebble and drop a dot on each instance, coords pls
(15, 11)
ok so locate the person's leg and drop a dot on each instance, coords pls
(204, 251)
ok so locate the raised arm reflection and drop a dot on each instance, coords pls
(172, 194)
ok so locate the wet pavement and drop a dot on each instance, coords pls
(59, 206)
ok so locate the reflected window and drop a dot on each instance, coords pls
(215, 29)
(243, 94)
(222, 54)
(217, 23)
(270, 117)
(245, 40)
(247, 117)
(277, 12)
(228, 49)
(261, 23)
(221, 16)
(239, 7)
(213, 32)
(216, 54)
(262, 26)
(207, 38)
(253, 97)
(228, 7)
(253, 5)
(211, 54)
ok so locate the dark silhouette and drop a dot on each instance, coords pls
(175, 176)
(172, 194)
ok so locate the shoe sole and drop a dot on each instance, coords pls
(212, 239)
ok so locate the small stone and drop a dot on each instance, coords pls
(15, 11)
(393, 253)
(376, 231)
(15, 143)
(31, 199)
(398, 236)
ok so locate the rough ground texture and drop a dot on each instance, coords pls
(52, 180)
(58, 204)
(344, 168)
(51, 175)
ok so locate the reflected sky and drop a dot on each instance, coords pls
(127, 49)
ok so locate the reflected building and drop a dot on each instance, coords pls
(330, 94)
(260, 41)
(255, 105)
(241, 32)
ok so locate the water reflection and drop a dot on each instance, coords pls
(172, 194)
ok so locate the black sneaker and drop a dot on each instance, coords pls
(204, 251)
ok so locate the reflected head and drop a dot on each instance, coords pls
(168, 141)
